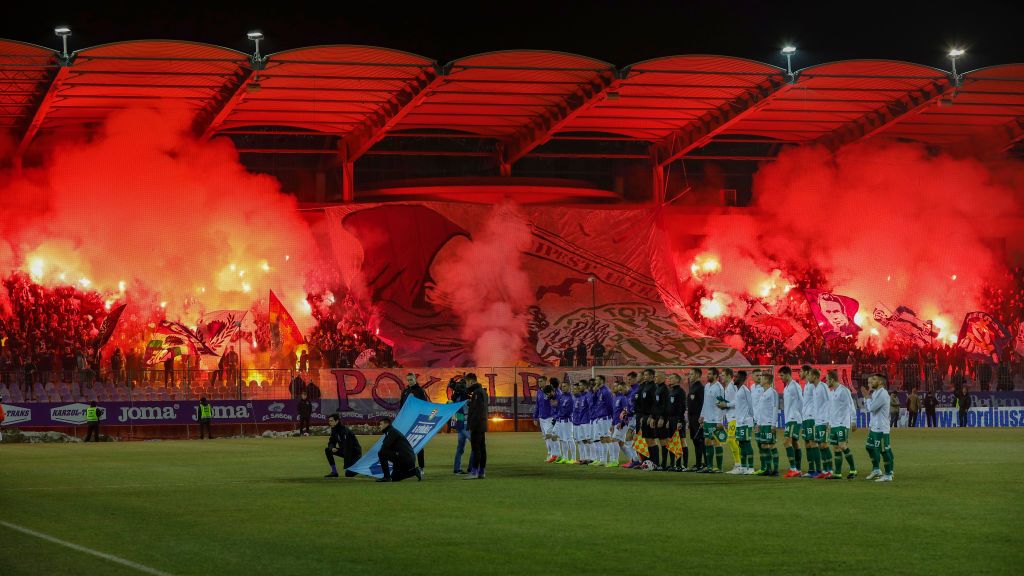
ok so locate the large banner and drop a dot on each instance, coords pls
(982, 336)
(419, 421)
(905, 326)
(633, 306)
(163, 412)
(834, 314)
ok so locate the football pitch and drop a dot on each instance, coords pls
(261, 506)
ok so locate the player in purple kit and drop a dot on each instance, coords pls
(601, 413)
(620, 422)
(563, 422)
(580, 409)
(590, 450)
(629, 419)
(543, 413)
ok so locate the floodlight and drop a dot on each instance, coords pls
(63, 32)
(255, 36)
(788, 50)
(953, 54)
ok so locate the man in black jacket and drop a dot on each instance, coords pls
(413, 389)
(341, 443)
(694, 405)
(305, 412)
(662, 412)
(397, 460)
(581, 354)
(646, 417)
(677, 420)
(930, 403)
(963, 404)
(477, 423)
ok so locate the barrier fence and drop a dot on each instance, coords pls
(268, 400)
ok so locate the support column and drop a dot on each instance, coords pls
(657, 183)
(348, 187)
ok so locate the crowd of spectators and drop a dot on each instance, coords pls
(940, 366)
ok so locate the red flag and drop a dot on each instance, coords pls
(982, 336)
(834, 313)
(283, 329)
(108, 326)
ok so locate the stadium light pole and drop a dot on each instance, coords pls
(63, 32)
(953, 55)
(593, 295)
(255, 36)
(255, 60)
(788, 52)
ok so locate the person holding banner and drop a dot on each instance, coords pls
(341, 443)
(397, 459)
(413, 389)
(477, 422)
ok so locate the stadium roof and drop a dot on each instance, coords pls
(516, 102)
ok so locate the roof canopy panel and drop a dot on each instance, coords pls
(522, 98)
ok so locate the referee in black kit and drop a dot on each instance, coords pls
(694, 405)
(646, 397)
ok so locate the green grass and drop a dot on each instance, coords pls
(260, 506)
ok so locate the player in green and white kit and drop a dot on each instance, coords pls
(841, 415)
(711, 417)
(822, 398)
(742, 409)
(811, 378)
(766, 412)
(792, 405)
(877, 405)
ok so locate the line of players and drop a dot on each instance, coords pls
(587, 423)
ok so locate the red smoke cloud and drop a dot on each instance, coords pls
(482, 280)
(884, 223)
(144, 211)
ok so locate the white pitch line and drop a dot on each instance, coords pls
(121, 486)
(97, 553)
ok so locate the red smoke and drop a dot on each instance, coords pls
(482, 280)
(886, 223)
(145, 212)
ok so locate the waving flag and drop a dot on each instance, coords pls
(283, 330)
(108, 326)
(834, 313)
(194, 343)
(164, 346)
(1018, 343)
(766, 324)
(982, 336)
(904, 325)
(218, 329)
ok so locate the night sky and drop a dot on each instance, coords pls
(618, 32)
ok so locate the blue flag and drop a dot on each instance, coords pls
(419, 421)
